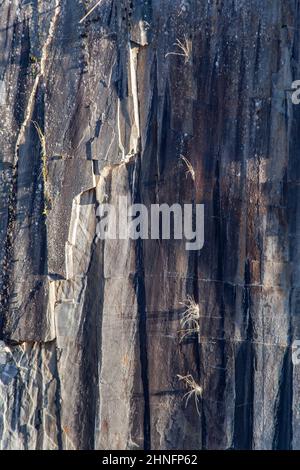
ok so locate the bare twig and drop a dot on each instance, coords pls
(90, 11)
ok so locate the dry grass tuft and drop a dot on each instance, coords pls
(186, 48)
(194, 389)
(186, 333)
(191, 315)
(190, 320)
(190, 169)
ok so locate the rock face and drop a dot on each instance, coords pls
(93, 110)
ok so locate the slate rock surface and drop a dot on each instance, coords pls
(93, 110)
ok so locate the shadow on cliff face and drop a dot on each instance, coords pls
(211, 78)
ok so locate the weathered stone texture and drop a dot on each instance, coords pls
(89, 351)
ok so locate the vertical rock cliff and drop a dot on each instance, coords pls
(105, 107)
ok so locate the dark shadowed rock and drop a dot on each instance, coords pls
(90, 348)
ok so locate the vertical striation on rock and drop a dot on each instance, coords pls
(90, 352)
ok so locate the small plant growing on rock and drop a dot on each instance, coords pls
(190, 169)
(195, 390)
(191, 315)
(35, 65)
(185, 47)
(189, 332)
(190, 320)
